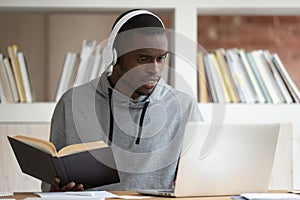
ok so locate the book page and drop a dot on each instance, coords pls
(76, 148)
(42, 145)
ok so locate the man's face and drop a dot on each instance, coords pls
(139, 70)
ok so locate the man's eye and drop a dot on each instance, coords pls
(162, 58)
(144, 59)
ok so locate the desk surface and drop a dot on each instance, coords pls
(21, 196)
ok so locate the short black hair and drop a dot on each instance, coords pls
(138, 21)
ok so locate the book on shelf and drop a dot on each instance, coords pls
(220, 73)
(96, 63)
(2, 95)
(293, 90)
(282, 87)
(210, 82)
(12, 53)
(258, 78)
(6, 94)
(66, 77)
(86, 59)
(215, 81)
(23, 64)
(268, 78)
(235, 77)
(203, 95)
(249, 71)
(220, 53)
(91, 164)
(11, 78)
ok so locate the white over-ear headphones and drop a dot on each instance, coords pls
(109, 53)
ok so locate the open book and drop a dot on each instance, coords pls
(91, 164)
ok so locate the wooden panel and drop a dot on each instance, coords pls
(28, 32)
(12, 179)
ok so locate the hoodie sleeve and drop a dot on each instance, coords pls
(57, 133)
(195, 114)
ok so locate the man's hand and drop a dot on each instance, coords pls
(69, 187)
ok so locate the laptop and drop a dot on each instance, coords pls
(224, 159)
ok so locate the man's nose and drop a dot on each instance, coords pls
(153, 68)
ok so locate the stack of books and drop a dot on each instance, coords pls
(15, 81)
(238, 76)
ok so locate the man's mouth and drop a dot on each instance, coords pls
(150, 80)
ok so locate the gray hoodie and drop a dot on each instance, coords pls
(145, 133)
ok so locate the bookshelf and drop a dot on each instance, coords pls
(182, 12)
(26, 112)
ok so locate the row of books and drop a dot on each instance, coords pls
(240, 76)
(79, 68)
(15, 81)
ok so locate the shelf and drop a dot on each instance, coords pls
(77, 5)
(41, 112)
(26, 112)
(287, 7)
(254, 7)
(253, 113)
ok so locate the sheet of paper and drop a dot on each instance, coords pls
(31, 198)
(237, 197)
(77, 195)
(270, 196)
(6, 194)
(97, 195)
(132, 197)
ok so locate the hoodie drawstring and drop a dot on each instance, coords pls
(111, 120)
(141, 122)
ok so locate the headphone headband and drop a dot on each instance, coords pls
(108, 51)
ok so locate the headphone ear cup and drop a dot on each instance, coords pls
(115, 57)
(107, 56)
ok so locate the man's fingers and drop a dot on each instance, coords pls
(55, 184)
(69, 187)
(79, 187)
(72, 186)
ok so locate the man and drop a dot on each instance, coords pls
(130, 108)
